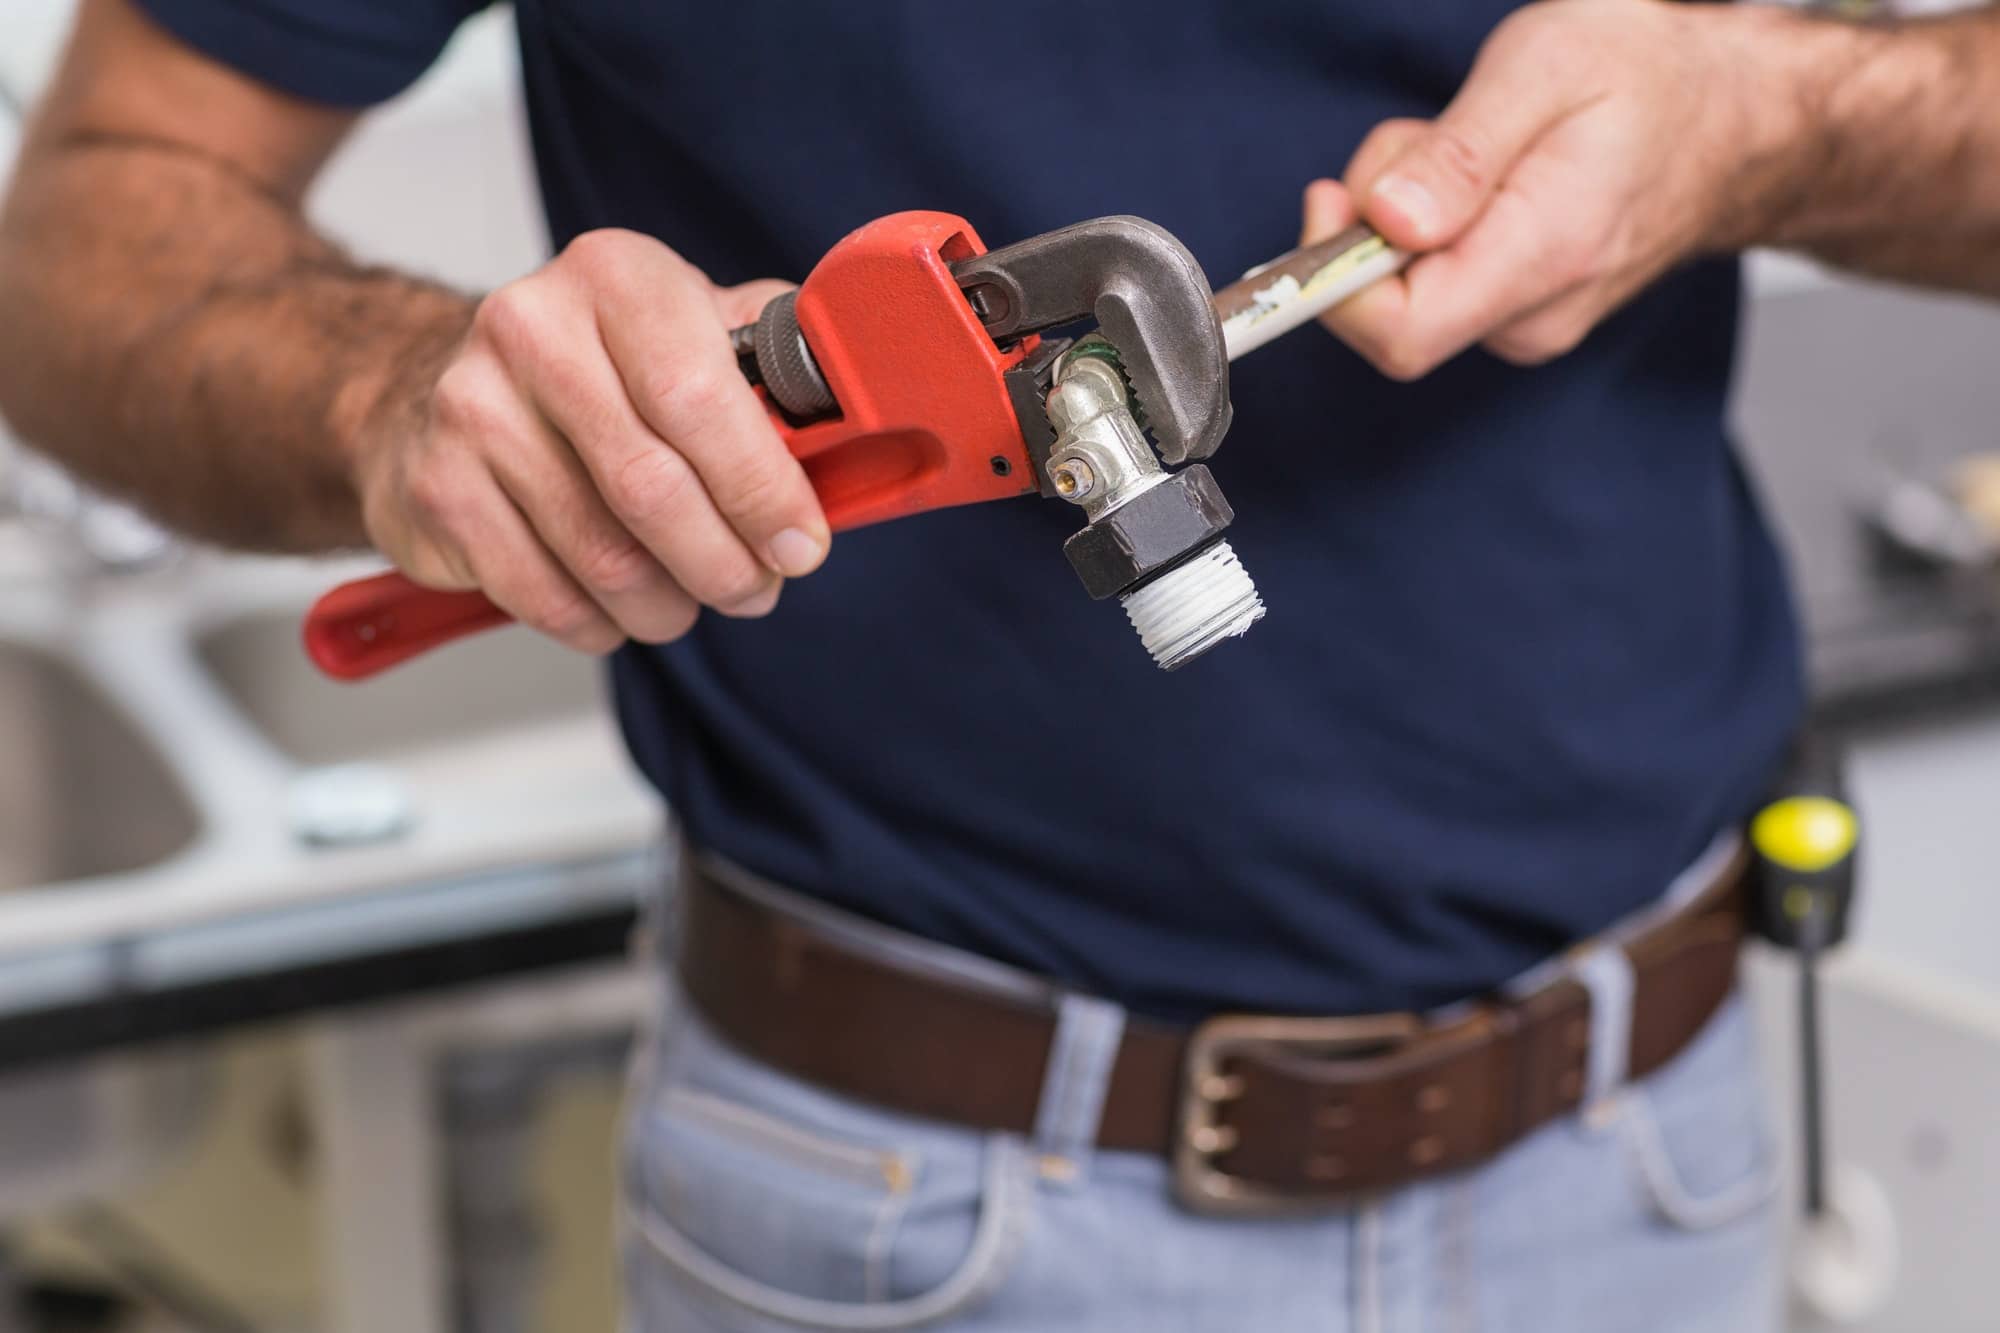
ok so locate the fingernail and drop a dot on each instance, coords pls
(796, 552)
(761, 604)
(1417, 205)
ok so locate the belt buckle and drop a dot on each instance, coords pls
(1206, 1088)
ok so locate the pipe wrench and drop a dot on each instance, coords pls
(912, 371)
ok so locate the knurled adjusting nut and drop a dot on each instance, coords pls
(786, 363)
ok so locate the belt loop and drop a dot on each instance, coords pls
(1604, 970)
(1081, 1058)
(656, 933)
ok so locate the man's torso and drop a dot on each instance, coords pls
(1528, 644)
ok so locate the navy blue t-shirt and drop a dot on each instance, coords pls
(1528, 647)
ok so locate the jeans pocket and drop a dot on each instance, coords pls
(1699, 1132)
(761, 1209)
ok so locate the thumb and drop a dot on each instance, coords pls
(1326, 209)
(741, 304)
(1437, 185)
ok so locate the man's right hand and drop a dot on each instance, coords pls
(580, 446)
(593, 460)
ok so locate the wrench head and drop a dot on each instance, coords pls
(1149, 298)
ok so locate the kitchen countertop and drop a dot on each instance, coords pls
(532, 843)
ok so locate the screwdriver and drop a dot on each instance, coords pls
(1805, 843)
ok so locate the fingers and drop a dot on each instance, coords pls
(1447, 300)
(1384, 144)
(594, 459)
(1424, 184)
(681, 377)
(465, 533)
(1549, 330)
(1556, 326)
(1328, 209)
(602, 486)
(489, 438)
(1498, 237)
(1509, 263)
(550, 486)
(741, 304)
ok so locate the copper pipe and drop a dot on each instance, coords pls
(1275, 298)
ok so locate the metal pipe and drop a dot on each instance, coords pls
(1274, 298)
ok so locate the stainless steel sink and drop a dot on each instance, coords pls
(485, 685)
(81, 791)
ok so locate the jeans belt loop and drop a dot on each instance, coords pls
(1604, 970)
(1081, 1058)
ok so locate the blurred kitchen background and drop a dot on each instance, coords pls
(312, 998)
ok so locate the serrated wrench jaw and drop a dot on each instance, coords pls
(1149, 298)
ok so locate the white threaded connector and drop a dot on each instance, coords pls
(1189, 609)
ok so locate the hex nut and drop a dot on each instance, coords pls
(1149, 532)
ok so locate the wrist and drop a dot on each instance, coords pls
(1854, 140)
(1782, 73)
(387, 402)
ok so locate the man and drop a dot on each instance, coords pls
(1529, 656)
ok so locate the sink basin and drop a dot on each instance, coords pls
(488, 684)
(81, 791)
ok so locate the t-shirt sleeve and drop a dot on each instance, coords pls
(345, 52)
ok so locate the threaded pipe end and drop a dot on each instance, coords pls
(1195, 605)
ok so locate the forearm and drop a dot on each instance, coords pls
(1895, 170)
(176, 333)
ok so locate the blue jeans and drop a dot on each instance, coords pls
(757, 1202)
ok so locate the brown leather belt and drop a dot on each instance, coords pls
(1256, 1113)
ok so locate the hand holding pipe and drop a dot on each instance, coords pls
(1276, 297)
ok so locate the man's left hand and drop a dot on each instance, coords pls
(1595, 144)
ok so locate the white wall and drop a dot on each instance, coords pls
(31, 33)
(439, 180)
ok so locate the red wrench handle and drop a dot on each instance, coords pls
(925, 420)
(371, 624)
